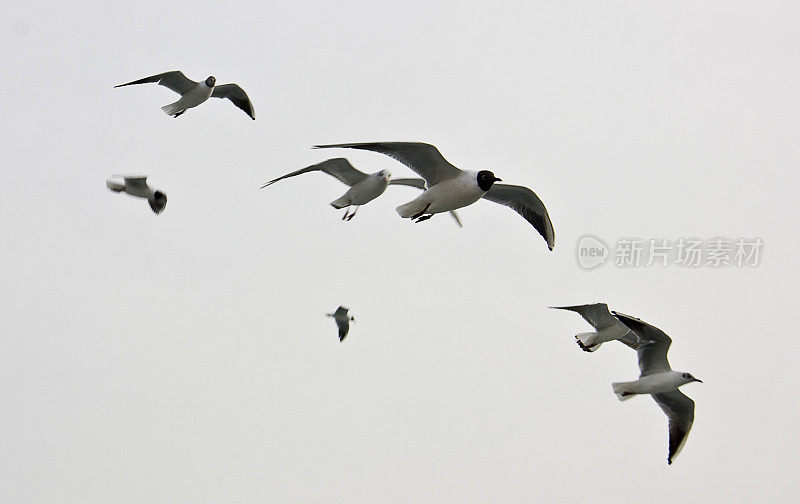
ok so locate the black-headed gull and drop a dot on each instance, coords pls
(659, 380)
(449, 188)
(136, 185)
(342, 321)
(363, 188)
(607, 327)
(194, 93)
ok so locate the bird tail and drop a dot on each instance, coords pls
(341, 202)
(410, 209)
(115, 186)
(622, 389)
(587, 341)
(171, 109)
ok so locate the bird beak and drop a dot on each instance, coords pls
(498, 179)
(701, 381)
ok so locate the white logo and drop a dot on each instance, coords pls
(592, 252)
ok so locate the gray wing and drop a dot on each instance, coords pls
(420, 184)
(337, 167)
(596, 314)
(344, 328)
(424, 159)
(653, 347)
(136, 181)
(237, 96)
(525, 202)
(680, 411)
(175, 81)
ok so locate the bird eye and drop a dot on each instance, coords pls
(687, 375)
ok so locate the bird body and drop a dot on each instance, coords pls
(192, 98)
(365, 191)
(451, 194)
(666, 381)
(136, 185)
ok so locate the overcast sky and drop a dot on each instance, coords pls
(185, 358)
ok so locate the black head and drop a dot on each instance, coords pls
(688, 376)
(211, 81)
(486, 179)
(158, 202)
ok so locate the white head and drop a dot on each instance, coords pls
(688, 378)
(384, 174)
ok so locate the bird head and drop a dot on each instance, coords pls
(211, 81)
(158, 201)
(688, 378)
(486, 179)
(385, 175)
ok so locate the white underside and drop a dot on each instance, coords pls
(445, 196)
(362, 193)
(191, 99)
(651, 384)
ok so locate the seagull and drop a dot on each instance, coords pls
(136, 185)
(194, 93)
(363, 188)
(607, 327)
(659, 380)
(449, 188)
(342, 321)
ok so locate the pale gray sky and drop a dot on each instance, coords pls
(185, 358)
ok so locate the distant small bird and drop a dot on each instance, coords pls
(608, 327)
(136, 185)
(449, 188)
(659, 380)
(363, 188)
(342, 321)
(194, 93)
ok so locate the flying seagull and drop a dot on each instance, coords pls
(136, 185)
(363, 188)
(607, 327)
(659, 380)
(449, 188)
(342, 321)
(194, 93)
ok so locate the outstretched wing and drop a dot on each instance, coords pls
(653, 347)
(679, 409)
(596, 314)
(236, 95)
(525, 202)
(424, 159)
(337, 167)
(175, 81)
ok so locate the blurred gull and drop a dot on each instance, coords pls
(342, 321)
(136, 185)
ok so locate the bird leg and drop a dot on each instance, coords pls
(353, 214)
(423, 218)
(420, 214)
(346, 211)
